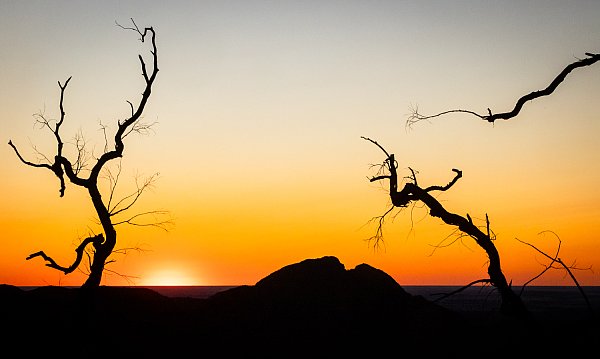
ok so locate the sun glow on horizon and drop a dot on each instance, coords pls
(169, 277)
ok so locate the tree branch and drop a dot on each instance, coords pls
(378, 236)
(556, 259)
(446, 295)
(164, 224)
(123, 127)
(415, 116)
(59, 160)
(122, 204)
(446, 187)
(378, 178)
(39, 165)
(95, 240)
(376, 144)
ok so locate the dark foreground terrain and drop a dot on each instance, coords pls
(312, 309)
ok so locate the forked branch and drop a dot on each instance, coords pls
(59, 160)
(137, 220)
(555, 259)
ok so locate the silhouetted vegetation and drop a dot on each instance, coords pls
(412, 192)
(97, 248)
(492, 117)
(484, 237)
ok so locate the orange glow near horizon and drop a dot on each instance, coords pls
(169, 277)
(259, 110)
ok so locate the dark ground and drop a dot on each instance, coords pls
(315, 308)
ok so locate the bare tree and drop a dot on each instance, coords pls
(412, 192)
(591, 59)
(99, 247)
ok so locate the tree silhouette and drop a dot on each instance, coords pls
(511, 303)
(413, 192)
(98, 248)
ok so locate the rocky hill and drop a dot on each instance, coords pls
(313, 308)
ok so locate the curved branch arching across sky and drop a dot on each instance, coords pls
(591, 59)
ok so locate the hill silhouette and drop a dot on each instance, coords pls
(308, 309)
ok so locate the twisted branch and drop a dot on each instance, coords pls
(80, 250)
(415, 116)
(511, 303)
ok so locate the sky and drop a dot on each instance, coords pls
(259, 108)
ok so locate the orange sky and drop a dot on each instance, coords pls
(260, 107)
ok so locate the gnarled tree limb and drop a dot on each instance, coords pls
(415, 116)
(95, 240)
(511, 303)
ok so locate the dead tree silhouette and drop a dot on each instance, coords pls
(511, 303)
(103, 244)
(590, 59)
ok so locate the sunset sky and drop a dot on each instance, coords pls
(260, 108)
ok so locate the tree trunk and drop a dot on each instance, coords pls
(101, 250)
(512, 304)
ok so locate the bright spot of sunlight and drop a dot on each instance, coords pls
(169, 277)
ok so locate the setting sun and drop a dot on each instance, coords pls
(169, 277)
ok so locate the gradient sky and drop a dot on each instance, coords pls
(260, 106)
